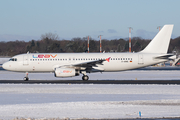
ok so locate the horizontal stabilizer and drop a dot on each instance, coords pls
(164, 56)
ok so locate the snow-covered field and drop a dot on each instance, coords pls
(3, 60)
(90, 100)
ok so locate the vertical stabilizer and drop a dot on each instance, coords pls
(160, 42)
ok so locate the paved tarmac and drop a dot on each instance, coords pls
(163, 82)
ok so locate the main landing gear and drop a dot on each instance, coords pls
(84, 77)
(26, 77)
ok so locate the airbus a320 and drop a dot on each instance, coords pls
(74, 64)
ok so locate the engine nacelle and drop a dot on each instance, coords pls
(65, 72)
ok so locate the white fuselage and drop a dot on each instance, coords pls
(47, 62)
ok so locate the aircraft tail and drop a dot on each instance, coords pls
(160, 42)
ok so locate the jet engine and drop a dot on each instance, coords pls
(65, 72)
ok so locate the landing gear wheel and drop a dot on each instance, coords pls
(85, 77)
(26, 78)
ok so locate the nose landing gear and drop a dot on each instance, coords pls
(26, 77)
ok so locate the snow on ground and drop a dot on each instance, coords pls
(88, 101)
(96, 110)
(124, 75)
(3, 60)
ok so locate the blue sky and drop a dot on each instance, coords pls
(29, 19)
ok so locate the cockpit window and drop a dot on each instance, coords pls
(13, 59)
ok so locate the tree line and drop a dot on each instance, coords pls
(77, 45)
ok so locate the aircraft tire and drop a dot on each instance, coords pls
(26, 78)
(85, 77)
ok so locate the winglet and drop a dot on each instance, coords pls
(107, 59)
(160, 42)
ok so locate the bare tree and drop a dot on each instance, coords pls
(49, 36)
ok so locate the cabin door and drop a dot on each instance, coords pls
(140, 59)
(25, 60)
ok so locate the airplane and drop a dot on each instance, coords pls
(74, 64)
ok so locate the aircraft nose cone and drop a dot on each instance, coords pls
(5, 66)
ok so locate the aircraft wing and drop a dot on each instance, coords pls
(91, 63)
(88, 66)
